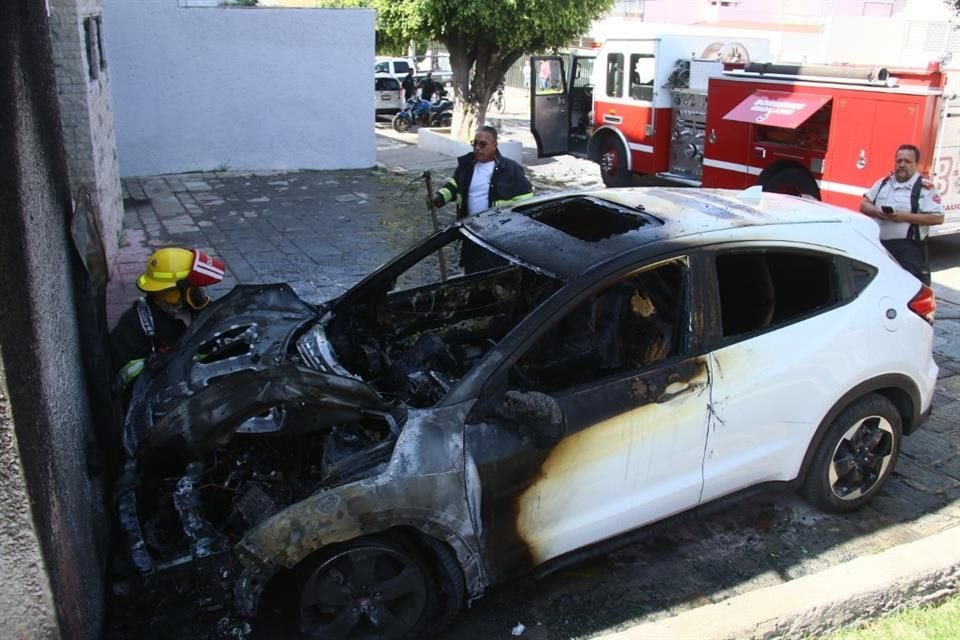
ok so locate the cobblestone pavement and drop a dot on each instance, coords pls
(323, 231)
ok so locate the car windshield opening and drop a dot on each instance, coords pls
(418, 328)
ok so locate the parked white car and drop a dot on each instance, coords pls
(396, 67)
(387, 94)
(614, 358)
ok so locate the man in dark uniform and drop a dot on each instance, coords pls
(483, 179)
(173, 282)
(427, 88)
(409, 85)
(905, 206)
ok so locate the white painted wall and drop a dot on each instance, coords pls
(208, 88)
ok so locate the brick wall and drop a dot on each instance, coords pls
(84, 88)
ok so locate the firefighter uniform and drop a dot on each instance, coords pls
(887, 192)
(143, 330)
(173, 282)
(906, 242)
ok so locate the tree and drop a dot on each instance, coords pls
(484, 38)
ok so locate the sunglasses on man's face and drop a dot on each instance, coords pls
(481, 144)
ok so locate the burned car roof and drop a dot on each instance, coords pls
(568, 233)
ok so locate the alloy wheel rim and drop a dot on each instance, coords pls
(364, 593)
(861, 458)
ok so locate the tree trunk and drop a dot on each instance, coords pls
(477, 72)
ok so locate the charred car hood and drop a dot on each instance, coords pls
(235, 362)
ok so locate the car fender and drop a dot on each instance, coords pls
(431, 504)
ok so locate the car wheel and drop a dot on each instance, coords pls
(400, 123)
(856, 455)
(793, 181)
(367, 588)
(613, 163)
(451, 585)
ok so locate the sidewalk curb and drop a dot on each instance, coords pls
(916, 573)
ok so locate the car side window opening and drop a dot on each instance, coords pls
(615, 75)
(631, 325)
(642, 70)
(760, 290)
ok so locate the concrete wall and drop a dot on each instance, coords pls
(83, 85)
(50, 507)
(208, 88)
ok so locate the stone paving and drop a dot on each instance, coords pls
(323, 231)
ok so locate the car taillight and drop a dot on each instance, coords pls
(924, 304)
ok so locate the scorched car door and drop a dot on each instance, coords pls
(634, 412)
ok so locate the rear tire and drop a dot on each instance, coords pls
(793, 181)
(613, 163)
(445, 120)
(400, 123)
(856, 455)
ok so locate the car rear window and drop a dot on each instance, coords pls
(387, 84)
(762, 290)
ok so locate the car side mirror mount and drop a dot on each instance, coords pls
(539, 413)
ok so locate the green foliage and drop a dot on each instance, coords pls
(521, 25)
(484, 37)
(928, 623)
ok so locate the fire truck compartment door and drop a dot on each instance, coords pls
(777, 108)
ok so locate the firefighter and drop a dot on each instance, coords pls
(905, 206)
(484, 178)
(173, 282)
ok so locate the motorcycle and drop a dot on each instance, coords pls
(423, 113)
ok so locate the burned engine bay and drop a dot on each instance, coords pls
(270, 400)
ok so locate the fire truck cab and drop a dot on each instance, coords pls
(699, 111)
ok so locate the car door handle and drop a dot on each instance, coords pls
(677, 389)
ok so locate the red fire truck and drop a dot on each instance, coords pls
(696, 111)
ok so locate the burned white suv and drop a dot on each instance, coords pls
(613, 358)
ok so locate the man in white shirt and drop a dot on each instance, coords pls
(905, 206)
(483, 179)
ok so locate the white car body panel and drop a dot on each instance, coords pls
(642, 466)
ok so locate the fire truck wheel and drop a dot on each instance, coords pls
(791, 180)
(613, 163)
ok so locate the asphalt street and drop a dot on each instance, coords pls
(322, 231)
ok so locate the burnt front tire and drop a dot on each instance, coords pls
(792, 181)
(400, 123)
(856, 456)
(451, 585)
(367, 588)
(613, 163)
